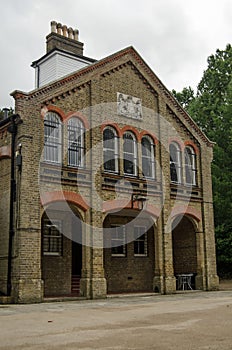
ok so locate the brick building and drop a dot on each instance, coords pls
(105, 181)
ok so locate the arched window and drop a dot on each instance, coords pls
(110, 149)
(130, 153)
(190, 166)
(52, 138)
(148, 157)
(175, 162)
(76, 142)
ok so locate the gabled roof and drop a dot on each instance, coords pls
(87, 71)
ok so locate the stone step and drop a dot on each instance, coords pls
(75, 284)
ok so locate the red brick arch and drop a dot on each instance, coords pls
(179, 142)
(113, 125)
(192, 144)
(119, 204)
(78, 115)
(146, 133)
(182, 210)
(57, 196)
(52, 108)
(132, 129)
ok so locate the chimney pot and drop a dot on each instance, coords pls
(64, 38)
(64, 28)
(70, 33)
(76, 34)
(59, 28)
(53, 26)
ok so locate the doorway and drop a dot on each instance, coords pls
(76, 256)
(184, 249)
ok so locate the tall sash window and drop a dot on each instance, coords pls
(175, 163)
(52, 138)
(110, 150)
(76, 142)
(130, 154)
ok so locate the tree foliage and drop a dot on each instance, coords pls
(211, 107)
(185, 97)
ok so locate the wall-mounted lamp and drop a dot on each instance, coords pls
(139, 199)
(5, 113)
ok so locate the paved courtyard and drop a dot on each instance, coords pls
(193, 320)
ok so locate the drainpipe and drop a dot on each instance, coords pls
(12, 129)
(92, 191)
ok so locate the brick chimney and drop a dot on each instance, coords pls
(64, 38)
(64, 55)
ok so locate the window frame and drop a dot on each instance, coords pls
(141, 241)
(76, 148)
(149, 158)
(123, 239)
(176, 165)
(58, 238)
(114, 151)
(133, 155)
(190, 166)
(53, 141)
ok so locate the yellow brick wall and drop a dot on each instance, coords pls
(163, 119)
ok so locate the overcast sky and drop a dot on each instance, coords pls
(174, 37)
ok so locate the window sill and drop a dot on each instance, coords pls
(51, 254)
(141, 255)
(131, 175)
(108, 172)
(118, 255)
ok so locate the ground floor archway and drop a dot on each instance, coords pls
(184, 247)
(129, 256)
(61, 250)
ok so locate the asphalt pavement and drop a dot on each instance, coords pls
(188, 321)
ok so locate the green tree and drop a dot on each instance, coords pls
(212, 93)
(212, 110)
(185, 97)
(222, 187)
